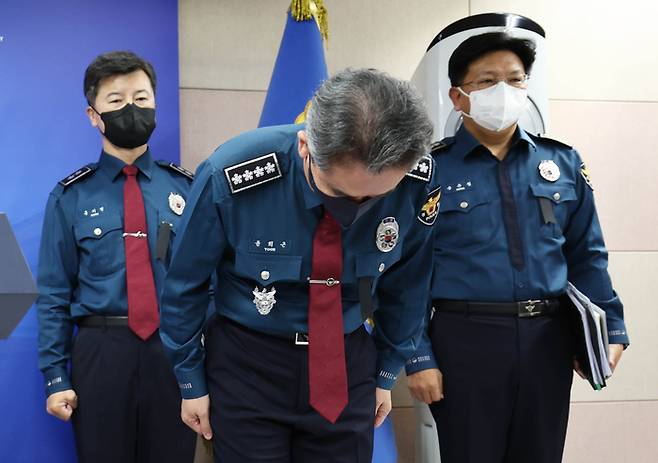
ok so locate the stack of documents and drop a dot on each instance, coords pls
(592, 338)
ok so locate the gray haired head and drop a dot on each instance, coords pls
(367, 116)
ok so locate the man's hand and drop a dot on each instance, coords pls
(196, 414)
(382, 405)
(61, 404)
(614, 355)
(426, 385)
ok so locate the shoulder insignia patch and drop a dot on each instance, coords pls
(78, 174)
(422, 170)
(430, 209)
(176, 168)
(252, 173)
(585, 175)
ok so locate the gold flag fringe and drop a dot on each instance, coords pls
(304, 10)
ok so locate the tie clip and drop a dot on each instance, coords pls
(139, 234)
(329, 282)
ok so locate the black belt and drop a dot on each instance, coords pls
(102, 320)
(523, 309)
(298, 339)
(301, 339)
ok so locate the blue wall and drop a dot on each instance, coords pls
(45, 47)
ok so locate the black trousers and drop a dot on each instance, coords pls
(128, 400)
(507, 383)
(259, 399)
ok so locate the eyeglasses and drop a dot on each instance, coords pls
(484, 83)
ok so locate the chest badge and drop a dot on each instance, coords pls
(176, 203)
(387, 234)
(549, 170)
(264, 300)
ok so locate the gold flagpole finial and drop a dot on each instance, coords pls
(304, 10)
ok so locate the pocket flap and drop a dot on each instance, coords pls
(267, 268)
(165, 216)
(98, 227)
(556, 193)
(463, 202)
(375, 263)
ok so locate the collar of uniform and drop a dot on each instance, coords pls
(522, 135)
(468, 144)
(112, 165)
(465, 143)
(311, 198)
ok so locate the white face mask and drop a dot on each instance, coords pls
(497, 107)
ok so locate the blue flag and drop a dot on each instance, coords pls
(299, 70)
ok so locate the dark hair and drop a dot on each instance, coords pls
(476, 47)
(367, 116)
(111, 64)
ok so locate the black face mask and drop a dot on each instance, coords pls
(128, 127)
(343, 209)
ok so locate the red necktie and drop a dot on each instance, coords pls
(326, 349)
(143, 316)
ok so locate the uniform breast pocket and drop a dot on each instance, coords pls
(553, 202)
(465, 219)
(373, 264)
(100, 244)
(268, 269)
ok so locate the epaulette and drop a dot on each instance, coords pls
(551, 141)
(176, 168)
(440, 146)
(78, 174)
(422, 170)
(253, 172)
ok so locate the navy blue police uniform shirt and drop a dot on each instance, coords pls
(82, 263)
(471, 254)
(250, 219)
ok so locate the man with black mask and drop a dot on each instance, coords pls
(104, 252)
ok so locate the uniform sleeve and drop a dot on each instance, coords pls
(423, 358)
(56, 280)
(587, 259)
(198, 247)
(402, 296)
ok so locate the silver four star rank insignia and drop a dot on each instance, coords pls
(252, 173)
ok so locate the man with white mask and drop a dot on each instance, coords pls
(516, 222)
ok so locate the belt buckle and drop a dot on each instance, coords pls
(528, 308)
(301, 339)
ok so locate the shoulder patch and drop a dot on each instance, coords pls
(430, 209)
(78, 174)
(423, 169)
(551, 141)
(252, 173)
(440, 146)
(176, 168)
(585, 175)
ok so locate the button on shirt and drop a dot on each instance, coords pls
(472, 255)
(259, 240)
(82, 263)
